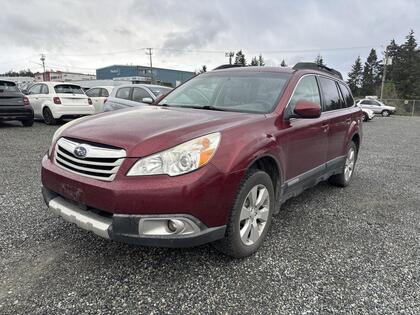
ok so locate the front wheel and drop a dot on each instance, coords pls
(48, 116)
(365, 117)
(385, 113)
(250, 217)
(343, 179)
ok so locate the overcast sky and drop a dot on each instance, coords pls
(82, 35)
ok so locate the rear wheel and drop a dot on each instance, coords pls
(48, 116)
(27, 123)
(385, 113)
(343, 179)
(250, 217)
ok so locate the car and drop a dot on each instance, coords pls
(212, 161)
(376, 106)
(98, 95)
(14, 105)
(53, 101)
(367, 114)
(132, 95)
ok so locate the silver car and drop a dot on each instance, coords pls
(132, 95)
(376, 106)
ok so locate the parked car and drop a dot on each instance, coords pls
(98, 95)
(211, 162)
(14, 105)
(376, 106)
(367, 114)
(52, 101)
(133, 95)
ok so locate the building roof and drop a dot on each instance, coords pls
(147, 67)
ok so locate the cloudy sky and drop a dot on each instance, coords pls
(82, 35)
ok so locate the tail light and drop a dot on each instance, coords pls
(89, 101)
(26, 101)
(105, 100)
(57, 100)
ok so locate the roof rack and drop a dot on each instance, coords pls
(315, 66)
(227, 66)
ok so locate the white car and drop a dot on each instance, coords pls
(376, 106)
(52, 101)
(98, 95)
(367, 114)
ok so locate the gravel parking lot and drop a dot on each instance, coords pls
(354, 250)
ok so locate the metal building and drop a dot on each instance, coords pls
(163, 76)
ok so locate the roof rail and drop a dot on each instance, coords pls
(227, 66)
(315, 66)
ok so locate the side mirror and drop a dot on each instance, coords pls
(26, 92)
(147, 100)
(305, 109)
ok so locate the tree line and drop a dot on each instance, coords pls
(401, 68)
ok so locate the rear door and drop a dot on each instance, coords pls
(306, 139)
(33, 96)
(339, 118)
(71, 95)
(139, 94)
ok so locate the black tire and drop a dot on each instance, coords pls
(341, 180)
(232, 243)
(365, 117)
(385, 113)
(48, 116)
(27, 123)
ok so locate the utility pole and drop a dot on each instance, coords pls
(149, 53)
(43, 66)
(384, 73)
(229, 55)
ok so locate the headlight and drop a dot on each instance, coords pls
(178, 160)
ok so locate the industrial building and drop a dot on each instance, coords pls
(142, 74)
(63, 76)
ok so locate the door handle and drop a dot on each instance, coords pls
(348, 120)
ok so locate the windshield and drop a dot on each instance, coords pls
(158, 91)
(255, 92)
(6, 86)
(68, 89)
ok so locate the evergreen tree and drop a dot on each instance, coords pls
(254, 61)
(261, 62)
(371, 74)
(355, 77)
(319, 60)
(240, 58)
(283, 63)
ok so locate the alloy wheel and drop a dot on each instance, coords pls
(254, 214)
(349, 166)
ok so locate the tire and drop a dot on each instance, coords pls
(344, 178)
(27, 123)
(253, 222)
(385, 113)
(365, 117)
(48, 116)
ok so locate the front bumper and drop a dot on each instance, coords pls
(127, 228)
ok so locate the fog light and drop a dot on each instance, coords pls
(175, 226)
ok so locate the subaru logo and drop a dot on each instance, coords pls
(80, 152)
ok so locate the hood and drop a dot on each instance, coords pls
(145, 130)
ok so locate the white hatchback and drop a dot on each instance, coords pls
(98, 95)
(52, 101)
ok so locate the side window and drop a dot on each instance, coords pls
(93, 92)
(376, 103)
(348, 99)
(330, 93)
(139, 94)
(123, 93)
(36, 89)
(44, 89)
(104, 93)
(307, 90)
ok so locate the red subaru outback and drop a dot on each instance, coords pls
(212, 161)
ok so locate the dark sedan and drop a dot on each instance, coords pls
(14, 105)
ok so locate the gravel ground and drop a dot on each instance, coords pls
(354, 250)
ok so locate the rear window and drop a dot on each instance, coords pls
(6, 86)
(68, 89)
(158, 91)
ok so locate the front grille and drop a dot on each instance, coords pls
(99, 162)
